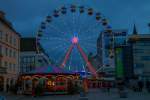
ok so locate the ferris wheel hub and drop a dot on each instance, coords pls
(75, 40)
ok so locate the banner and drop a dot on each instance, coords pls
(119, 63)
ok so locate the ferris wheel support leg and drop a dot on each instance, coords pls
(67, 56)
(89, 65)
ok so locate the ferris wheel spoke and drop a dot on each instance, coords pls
(73, 22)
(92, 32)
(87, 21)
(53, 38)
(60, 55)
(55, 44)
(57, 47)
(90, 48)
(63, 20)
(85, 49)
(88, 38)
(81, 59)
(88, 25)
(81, 23)
(92, 28)
(70, 61)
(59, 51)
(91, 45)
(56, 29)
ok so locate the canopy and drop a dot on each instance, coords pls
(49, 69)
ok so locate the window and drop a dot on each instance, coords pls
(1, 63)
(14, 41)
(6, 37)
(1, 35)
(10, 53)
(145, 58)
(10, 39)
(6, 64)
(139, 65)
(10, 66)
(14, 54)
(6, 52)
(138, 50)
(28, 59)
(14, 67)
(1, 50)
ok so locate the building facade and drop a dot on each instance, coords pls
(141, 54)
(107, 63)
(9, 53)
(128, 61)
(29, 57)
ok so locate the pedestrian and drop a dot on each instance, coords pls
(140, 85)
(148, 85)
(108, 86)
(33, 91)
(7, 87)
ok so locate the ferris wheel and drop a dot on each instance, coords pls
(70, 33)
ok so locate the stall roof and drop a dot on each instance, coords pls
(50, 69)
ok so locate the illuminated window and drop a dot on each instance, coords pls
(50, 83)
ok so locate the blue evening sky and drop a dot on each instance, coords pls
(26, 15)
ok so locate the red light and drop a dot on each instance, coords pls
(74, 40)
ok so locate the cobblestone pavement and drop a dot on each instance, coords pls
(94, 94)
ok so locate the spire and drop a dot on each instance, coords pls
(135, 30)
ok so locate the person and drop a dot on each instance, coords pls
(108, 86)
(148, 85)
(33, 91)
(140, 85)
(7, 87)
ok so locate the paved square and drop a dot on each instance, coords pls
(92, 95)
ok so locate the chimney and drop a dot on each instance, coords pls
(2, 14)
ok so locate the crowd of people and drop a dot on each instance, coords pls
(139, 85)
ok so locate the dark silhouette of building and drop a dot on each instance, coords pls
(30, 56)
(141, 53)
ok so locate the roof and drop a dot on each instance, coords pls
(116, 32)
(8, 24)
(139, 37)
(49, 69)
(135, 30)
(28, 44)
